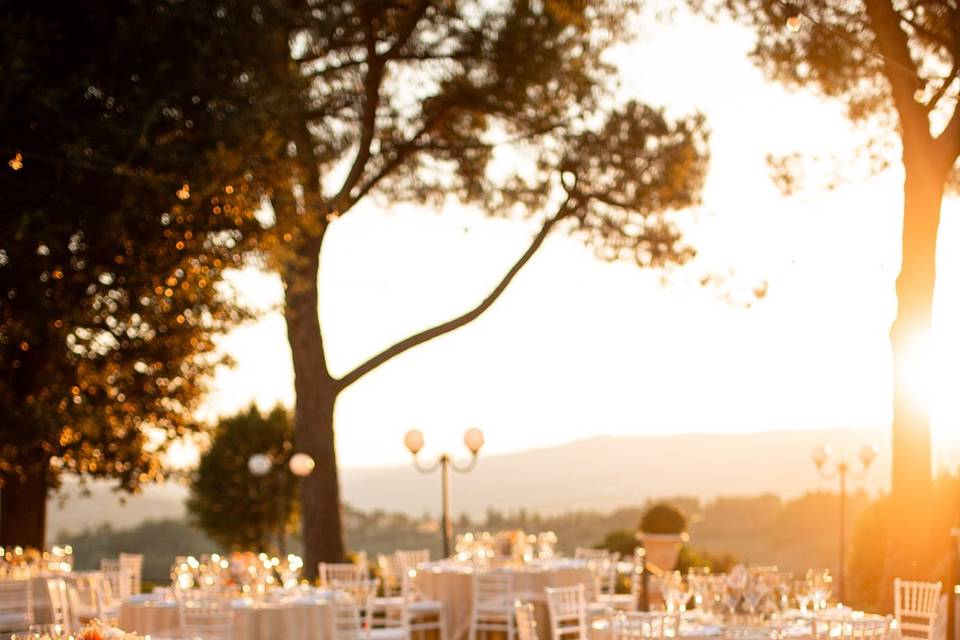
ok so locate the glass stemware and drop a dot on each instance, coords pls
(821, 587)
(698, 581)
(803, 592)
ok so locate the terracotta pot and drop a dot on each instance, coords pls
(662, 549)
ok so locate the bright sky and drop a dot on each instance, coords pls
(577, 348)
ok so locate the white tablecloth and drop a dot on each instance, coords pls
(299, 620)
(453, 586)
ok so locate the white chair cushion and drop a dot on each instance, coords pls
(425, 605)
(391, 633)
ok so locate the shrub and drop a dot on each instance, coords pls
(662, 518)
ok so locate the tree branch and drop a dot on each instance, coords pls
(899, 68)
(368, 125)
(942, 90)
(407, 26)
(948, 142)
(461, 320)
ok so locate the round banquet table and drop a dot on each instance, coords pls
(42, 613)
(452, 585)
(295, 620)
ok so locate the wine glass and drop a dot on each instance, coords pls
(822, 583)
(756, 590)
(671, 588)
(697, 579)
(802, 591)
(783, 589)
(733, 590)
(715, 585)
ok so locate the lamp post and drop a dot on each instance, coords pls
(473, 439)
(301, 465)
(841, 469)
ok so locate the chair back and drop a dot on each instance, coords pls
(59, 604)
(586, 553)
(645, 625)
(347, 622)
(131, 572)
(16, 605)
(75, 611)
(408, 560)
(331, 572)
(492, 591)
(110, 568)
(205, 621)
(915, 606)
(874, 628)
(568, 612)
(390, 573)
(103, 595)
(526, 621)
(86, 595)
(604, 573)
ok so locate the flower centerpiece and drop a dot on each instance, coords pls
(663, 531)
(96, 631)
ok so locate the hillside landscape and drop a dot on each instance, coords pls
(612, 472)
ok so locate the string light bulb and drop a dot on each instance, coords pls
(16, 163)
(793, 20)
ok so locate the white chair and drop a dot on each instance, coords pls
(131, 572)
(586, 553)
(850, 628)
(110, 569)
(61, 611)
(205, 622)
(108, 609)
(602, 595)
(390, 573)
(84, 597)
(642, 625)
(353, 619)
(424, 615)
(493, 602)
(407, 560)
(331, 572)
(915, 606)
(568, 612)
(526, 621)
(16, 606)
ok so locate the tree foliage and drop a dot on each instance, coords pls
(506, 106)
(236, 509)
(893, 63)
(136, 153)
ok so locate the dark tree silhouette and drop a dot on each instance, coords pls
(417, 100)
(895, 64)
(122, 208)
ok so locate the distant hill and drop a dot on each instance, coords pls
(600, 473)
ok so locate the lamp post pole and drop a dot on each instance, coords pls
(840, 470)
(473, 439)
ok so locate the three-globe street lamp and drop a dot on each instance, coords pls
(473, 439)
(301, 465)
(840, 470)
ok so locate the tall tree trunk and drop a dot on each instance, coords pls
(23, 509)
(316, 394)
(911, 540)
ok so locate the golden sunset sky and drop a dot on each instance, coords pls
(577, 348)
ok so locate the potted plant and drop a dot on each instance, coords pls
(663, 531)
